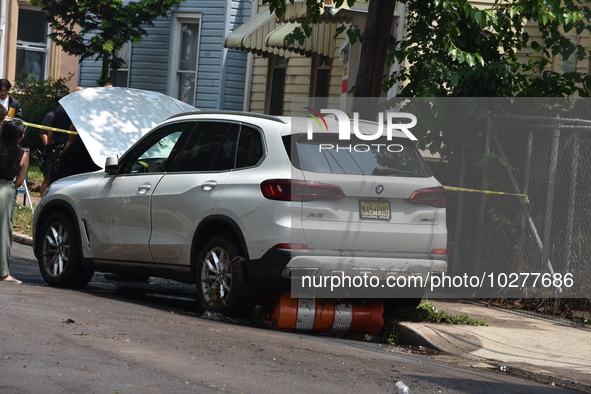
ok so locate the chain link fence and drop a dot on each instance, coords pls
(548, 159)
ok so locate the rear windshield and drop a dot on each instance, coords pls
(382, 157)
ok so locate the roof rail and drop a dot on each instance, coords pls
(223, 112)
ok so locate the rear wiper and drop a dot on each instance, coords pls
(390, 171)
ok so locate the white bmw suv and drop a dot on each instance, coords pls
(236, 202)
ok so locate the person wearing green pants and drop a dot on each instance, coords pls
(14, 164)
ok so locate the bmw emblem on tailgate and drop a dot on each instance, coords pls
(379, 189)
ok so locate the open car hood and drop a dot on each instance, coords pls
(110, 120)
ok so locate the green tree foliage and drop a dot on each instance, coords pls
(98, 28)
(453, 48)
(456, 49)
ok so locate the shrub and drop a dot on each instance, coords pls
(37, 98)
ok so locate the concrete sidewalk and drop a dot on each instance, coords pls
(551, 350)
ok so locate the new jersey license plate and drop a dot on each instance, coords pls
(379, 210)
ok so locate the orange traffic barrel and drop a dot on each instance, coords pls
(321, 315)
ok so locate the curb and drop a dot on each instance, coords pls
(22, 239)
(417, 334)
(548, 379)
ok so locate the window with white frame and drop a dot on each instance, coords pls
(184, 57)
(120, 77)
(32, 49)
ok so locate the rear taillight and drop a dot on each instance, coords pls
(438, 251)
(434, 196)
(298, 190)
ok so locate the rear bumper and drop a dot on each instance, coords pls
(278, 267)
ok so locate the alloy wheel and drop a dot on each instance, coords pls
(216, 275)
(56, 249)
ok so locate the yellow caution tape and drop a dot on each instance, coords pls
(461, 189)
(450, 188)
(38, 126)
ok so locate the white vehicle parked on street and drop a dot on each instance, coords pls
(235, 202)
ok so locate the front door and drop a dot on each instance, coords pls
(121, 222)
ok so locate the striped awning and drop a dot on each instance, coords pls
(264, 34)
(252, 35)
(320, 41)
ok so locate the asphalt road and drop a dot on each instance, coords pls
(119, 337)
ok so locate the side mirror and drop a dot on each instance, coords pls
(112, 165)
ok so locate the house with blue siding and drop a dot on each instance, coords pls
(183, 56)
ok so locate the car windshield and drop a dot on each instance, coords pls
(381, 157)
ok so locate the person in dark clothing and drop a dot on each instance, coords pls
(2, 117)
(57, 140)
(75, 159)
(48, 118)
(48, 149)
(14, 164)
(11, 104)
(61, 120)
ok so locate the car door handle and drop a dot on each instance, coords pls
(209, 185)
(143, 188)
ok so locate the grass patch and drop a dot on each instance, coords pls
(23, 215)
(582, 321)
(426, 312)
(575, 309)
(35, 174)
(23, 220)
